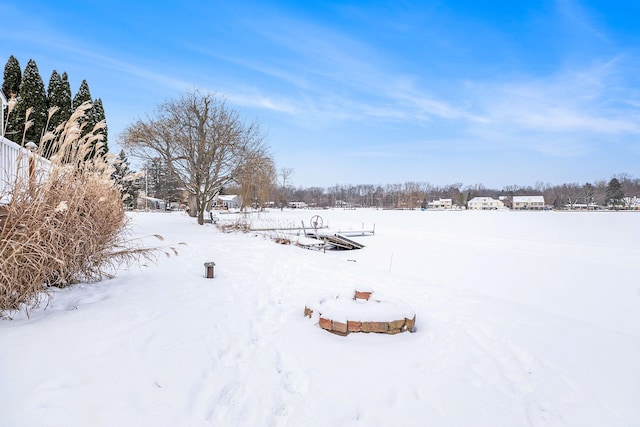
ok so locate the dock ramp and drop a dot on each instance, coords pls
(336, 239)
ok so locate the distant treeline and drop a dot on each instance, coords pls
(411, 195)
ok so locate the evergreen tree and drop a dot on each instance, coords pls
(66, 103)
(81, 96)
(97, 113)
(32, 95)
(160, 182)
(88, 121)
(123, 176)
(10, 87)
(55, 98)
(615, 195)
(55, 83)
(12, 78)
(59, 95)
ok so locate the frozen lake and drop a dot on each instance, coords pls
(523, 319)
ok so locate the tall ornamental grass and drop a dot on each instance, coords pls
(64, 221)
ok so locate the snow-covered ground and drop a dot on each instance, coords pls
(523, 319)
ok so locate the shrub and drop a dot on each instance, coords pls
(64, 223)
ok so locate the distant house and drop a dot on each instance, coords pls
(632, 203)
(582, 207)
(227, 201)
(441, 204)
(528, 202)
(148, 203)
(298, 205)
(484, 203)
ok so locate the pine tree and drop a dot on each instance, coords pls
(54, 96)
(32, 95)
(84, 95)
(55, 82)
(88, 121)
(59, 95)
(66, 105)
(615, 195)
(12, 78)
(160, 182)
(123, 176)
(10, 87)
(98, 116)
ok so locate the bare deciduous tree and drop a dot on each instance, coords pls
(285, 173)
(204, 143)
(256, 180)
(571, 193)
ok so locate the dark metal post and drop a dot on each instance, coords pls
(209, 273)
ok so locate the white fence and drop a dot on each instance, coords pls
(16, 162)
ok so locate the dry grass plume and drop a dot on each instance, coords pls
(64, 223)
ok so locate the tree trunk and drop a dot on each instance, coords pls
(192, 206)
(199, 208)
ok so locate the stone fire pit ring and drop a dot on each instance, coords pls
(361, 311)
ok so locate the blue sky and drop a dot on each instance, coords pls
(493, 93)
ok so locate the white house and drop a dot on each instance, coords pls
(441, 204)
(528, 202)
(145, 202)
(227, 201)
(298, 205)
(632, 203)
(484, 203)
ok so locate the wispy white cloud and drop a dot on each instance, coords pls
(288, 76)
(571, 109)
(380, 154)
(261, 102)
(79, 50)
(570, 102)
(336, 74)
(144, 73)
(576, 16)
(354, 81)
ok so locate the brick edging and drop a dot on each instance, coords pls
(341, 328)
